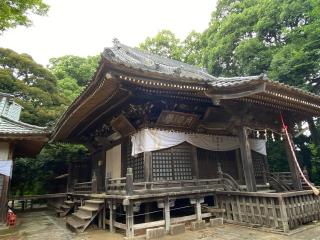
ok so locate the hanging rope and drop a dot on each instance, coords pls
(285, 129)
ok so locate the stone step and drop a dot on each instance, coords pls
(74, 224)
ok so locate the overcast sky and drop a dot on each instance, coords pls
(85, 27)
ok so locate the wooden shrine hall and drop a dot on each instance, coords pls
(165, 135)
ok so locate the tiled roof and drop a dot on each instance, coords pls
(149, 62)
(12, 127)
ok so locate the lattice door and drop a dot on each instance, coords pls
(136, 163)
(172, 164)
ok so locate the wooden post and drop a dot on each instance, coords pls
(104, 215)
(147, 212)
(129, 181)
(166, 210)
(4, 199)
(284, 215)
(198, 209)
(239, 166)
(112, 216)
(195, 166)
(94, 185)
(147, 157)
(23, 205)
(129, 220)
(296, 178)
(247, 160)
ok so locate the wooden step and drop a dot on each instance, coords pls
(89, 209)
(68, 202)
(81, 215)
(74, 224)
(95, 201)
(64, 206)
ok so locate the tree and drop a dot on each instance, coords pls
(80, 69)
(17, 12)
(35, 176)
(164, 43)
(249, 37)
(192, 49)
(34, 86)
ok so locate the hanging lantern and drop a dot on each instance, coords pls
(258, 134)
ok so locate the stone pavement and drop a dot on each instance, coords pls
(43, 225)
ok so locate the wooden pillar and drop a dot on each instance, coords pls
(104, 215)
(239, 167)
(296, 178)
(195, 166)
(284, 215)
(147, 157)
(247, 160)
(198, 209)
(4, 199)
(129, 220)
(166, 210)
(129, 181)
(6, 153)
(147, 210)
(112, 216)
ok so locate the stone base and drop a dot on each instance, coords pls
(155, 233)
(216, 222)
(177, 229)
(198, 225)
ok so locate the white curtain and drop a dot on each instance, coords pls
(6, 167)
(148, 140)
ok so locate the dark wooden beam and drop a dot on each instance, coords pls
(247, 160)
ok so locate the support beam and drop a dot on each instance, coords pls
(247, 160)
(239, 167)
(112, 216)
(147, 210)
(195, 167)
(198, 209)
(296, 178)
(166, 210)
(6, 153)
(129, 220)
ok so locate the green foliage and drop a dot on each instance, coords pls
(73, 67)
(249, 37)
(17, 12)
(315, 161)
(164, 43)
(69, 87)
(34, 86)
(277, 156)
(36, 176)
